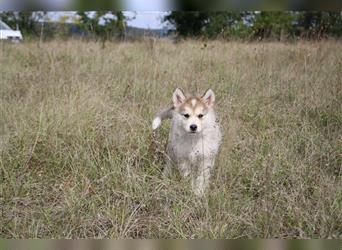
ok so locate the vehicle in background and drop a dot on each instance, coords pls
(6, 33)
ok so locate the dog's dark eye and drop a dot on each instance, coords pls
(186, 115)
(200, 116)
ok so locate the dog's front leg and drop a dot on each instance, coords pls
(184, 168)
(201, 181)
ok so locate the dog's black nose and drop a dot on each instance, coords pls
(193, 127)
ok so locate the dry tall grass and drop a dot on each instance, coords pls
(78, 158)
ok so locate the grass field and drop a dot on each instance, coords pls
(78, 158)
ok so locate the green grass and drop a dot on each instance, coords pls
(78, 158)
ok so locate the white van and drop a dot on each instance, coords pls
(7, 33)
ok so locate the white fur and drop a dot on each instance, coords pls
(193, 153)
(156, 123)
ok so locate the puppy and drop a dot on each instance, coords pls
(194, 138)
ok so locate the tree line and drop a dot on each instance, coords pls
(245, 25)
(260, 25)
(99, 25)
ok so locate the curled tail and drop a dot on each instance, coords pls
(162, 115)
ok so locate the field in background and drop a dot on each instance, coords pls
(78, 158)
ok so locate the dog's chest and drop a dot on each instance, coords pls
(193, 148)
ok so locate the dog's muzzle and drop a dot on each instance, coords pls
(193, 128)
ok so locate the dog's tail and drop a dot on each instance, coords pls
(162, 115)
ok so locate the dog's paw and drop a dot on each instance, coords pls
(156, 123)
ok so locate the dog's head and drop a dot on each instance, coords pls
(193, 112)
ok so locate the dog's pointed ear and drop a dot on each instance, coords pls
(209, 97)
(178, 97)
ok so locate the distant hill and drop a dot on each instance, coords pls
(138, 32)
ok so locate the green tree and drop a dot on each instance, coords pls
(104, 25)
(273, 25)
(120, 24)
(219, 23)
(319, 24)
(188, 23)
(227, 25)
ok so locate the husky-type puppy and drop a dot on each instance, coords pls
(194, 137)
